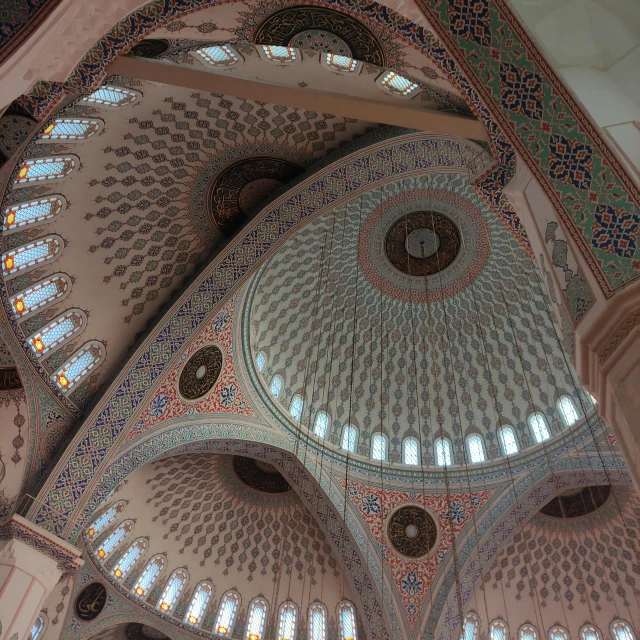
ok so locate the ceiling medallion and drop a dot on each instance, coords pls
(200, 373)
(580, 502)
(259, 475)
(412, 531)
(90, 602)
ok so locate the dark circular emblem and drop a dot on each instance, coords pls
(412, 531)
(259, 475)
(150, 48)
(577, 503)
(422, 243)
(90, 602)
(200, 373)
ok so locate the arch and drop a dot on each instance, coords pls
(261, 361)
(567, 410)
(558, 632)
(105, 519)
(590, 632)
(528, 632)
(296, 407)
(287, 621)
(622, 630)
(498, 630)
(317, 621)
(443, 452)
(256, 619)
(71, 129)
(411, 451)
(111, 96)
(32, 211)
(87, 358)
(129, 558)
(379, 447)
(227, 613)
(199, 603)
(321, 424)
(39, 169)
(221, 55)
(40, 294)
(276, 386)
(149, 575)
(470, 627)
(508, 440)
(475, 449)
(114, 540)
(349, 438)
(539, 427)
(29, 255)
(37, 627)
(173, 590)
(57, 331)
(347, 621)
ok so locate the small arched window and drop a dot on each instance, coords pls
(340, 63)
(528, 632)
(74, 370)
(621, 630)
(558, 633)
(70, 129)
(30, 255)
(539, 428)
(104, 520)
(36, 629)
(172, 590)
(347, 620)
(379, 447)
(56, 332)
(470, 627)
(149, 576)
(129, 558)
(321, 424)
(508, 440)
(219, 55)
(589, 632)
(443, 452)
(349, 438)
(19, 215)
(114, 539)
(475, 447)
(199, 603)
(296, 407)
(567, 410)
(397, 84)
(277, 383)
(287, 621)
(256, 619)
(261, 361)
(498, 631)
(39, 169)
(411, 451)
(227, 613)
(279, 54)
(39, 295)
(317, 622)
(111, 96)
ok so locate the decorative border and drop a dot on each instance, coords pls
(621, 332)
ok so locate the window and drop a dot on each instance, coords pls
(30, 255)
(129, 558)
(44, 169)
(219, 55)
(256, 619)
(498, 631)
(296, 406)
(349, 438)
(342, 63)
(113, 540)
(199, 603)
(227, 613)
(397, 84)
(111, 96)
(56, 332)
(621, 630)
(443, 452)
(172, 590)
(538, 424)
(317, 622)
(567, 410)
(287, 624)
(470, 627)
(558, 633)
(19, 215)
(589, 632)
(594, 402)
(276, 386)
(528, 632)
(105, 519)
(411, 451)
(508, 440)
(279, 54)
(321, 424)
(70, 129)
(379, 446)
(476, 450)
(40, 294)
(149, 576)
(261, 361)
(79, 366)
(347, 620)
(37, 628)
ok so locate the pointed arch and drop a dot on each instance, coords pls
(227, 613)
(539, 427)
(71, 129)
(32, 211)
(347, 620)
(567, 410)
(105, 519)
(296, 407)
(57, 331)
(29, 255)
(40, 294)
(111, 96)
(443, 452)
(149, 575)
(379, 447)
(199, 603)
(508, 440)
(39, 169)
(87, 358)
(129, 558)
(411, 451)
(498, 630)
(349, 438)
(287, 621)
(317, 621)
(256, 619)
(528, 632)
(173, 590)
(114, 540)
(590, 632)
(622, 630)
(475, 448)
(321, 424)
(470, 627)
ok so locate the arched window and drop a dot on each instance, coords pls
(36, 629)
(317, 622)
(39, 295)
(321, 424)
(114, 539)
(539, 428)
(56, 332)
(30, 255)
(528, 632)
(498, 631)
(287, 621)
(175, 586)
(279, 54)
(558, 633)
(411, 451)
(261, 361)
(379, 446)
(39, 169)
(621, 630)
(105, 519)
(256, 619)
(129, 558)
(589, 632)
(347, 620)
(341, 63)
(567, 410)
(219, 55)
(227, 613)
(470, 627)
(79, 366)
(296, 407)
(475, 449)
(508, 440)
(277, 383)
(19, 215)
(443, 452)
(111, 96)
(70, 129)
(149, 576)
(199, 603)
(349, 438)
(397, 84)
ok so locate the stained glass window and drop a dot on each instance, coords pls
(476, 450)
(349, 437)
(219, 55)
(111, 96)
(508, 440)
(296, 406)
(528, 632)
(621, 630)
(287, 624)
(105, 519)
(129, 558)
(558, 633)
(470, 628)
(261, 361)
(75, 369)
(567, 410)
(398, 84)
(411, 451)
(256, 619)
(199, 603)
(280, 54)
(317, 622)
(538, 424)
(30, 255)
(498, 631)
(37, 628)
(227, 613)
(343, 63)
(113, 540)
(589, 632)
(56, 332)
(70, 129)
(347, 615)
(379, 446)
(39, 210)
(321, 424)
(40, 294)
(44, 169)
(149, 576)
(443, 452)
(277, 383)
(172, 590)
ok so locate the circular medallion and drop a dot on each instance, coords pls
(90, 601)
(259, 475)
(577, 503)
(412, 531)
(200, 373)
(321, 41)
